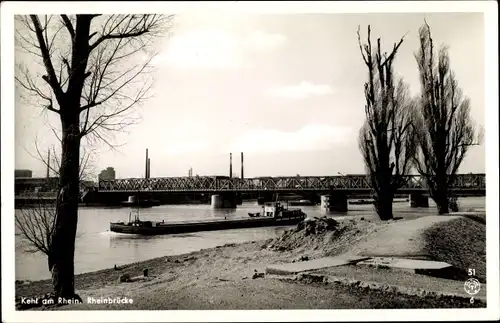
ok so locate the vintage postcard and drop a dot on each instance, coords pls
(240, 161)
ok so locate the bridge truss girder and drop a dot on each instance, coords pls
(274, 184)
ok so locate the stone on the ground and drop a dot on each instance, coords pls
(125, 278)
(301, 258)
(311, 277)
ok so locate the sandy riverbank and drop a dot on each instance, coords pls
(222, 277)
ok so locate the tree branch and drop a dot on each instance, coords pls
(69, 26)
(50, 78)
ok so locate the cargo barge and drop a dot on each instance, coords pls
(274, 214)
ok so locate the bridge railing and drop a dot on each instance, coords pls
(313, 183)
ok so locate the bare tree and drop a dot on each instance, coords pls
(94, 71)
(36, 225)
(386, 138)
(35, 221)
(445, 128)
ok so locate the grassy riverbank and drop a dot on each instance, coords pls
(222, 277)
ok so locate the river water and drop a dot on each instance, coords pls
(98, 248)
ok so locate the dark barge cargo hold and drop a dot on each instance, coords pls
(273, 215)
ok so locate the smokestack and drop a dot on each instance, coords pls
(146, 167)
(48, 164)
(230, 165)
(242, 176)
(149, 167)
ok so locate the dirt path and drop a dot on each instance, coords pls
(400, 238)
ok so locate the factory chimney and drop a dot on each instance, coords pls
(242, 166)
(149, 167)
(48, 164)
(146, 167)
(230, 165)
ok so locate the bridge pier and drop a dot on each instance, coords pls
(222, 201)
(419, 200)
(336, 202)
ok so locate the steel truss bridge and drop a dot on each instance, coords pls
(463, 183)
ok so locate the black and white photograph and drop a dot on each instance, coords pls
(177, 161)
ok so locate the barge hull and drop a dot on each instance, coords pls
(203, 226)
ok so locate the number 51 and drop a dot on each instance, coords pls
(472, 272)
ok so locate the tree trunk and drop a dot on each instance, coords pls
(384, 193)
(442, 193)
(383, 206)
(61, 259)
(442, 203)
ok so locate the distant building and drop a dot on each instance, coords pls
(23, 173)
(107, 174)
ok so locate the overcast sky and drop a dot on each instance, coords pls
(287, 90)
